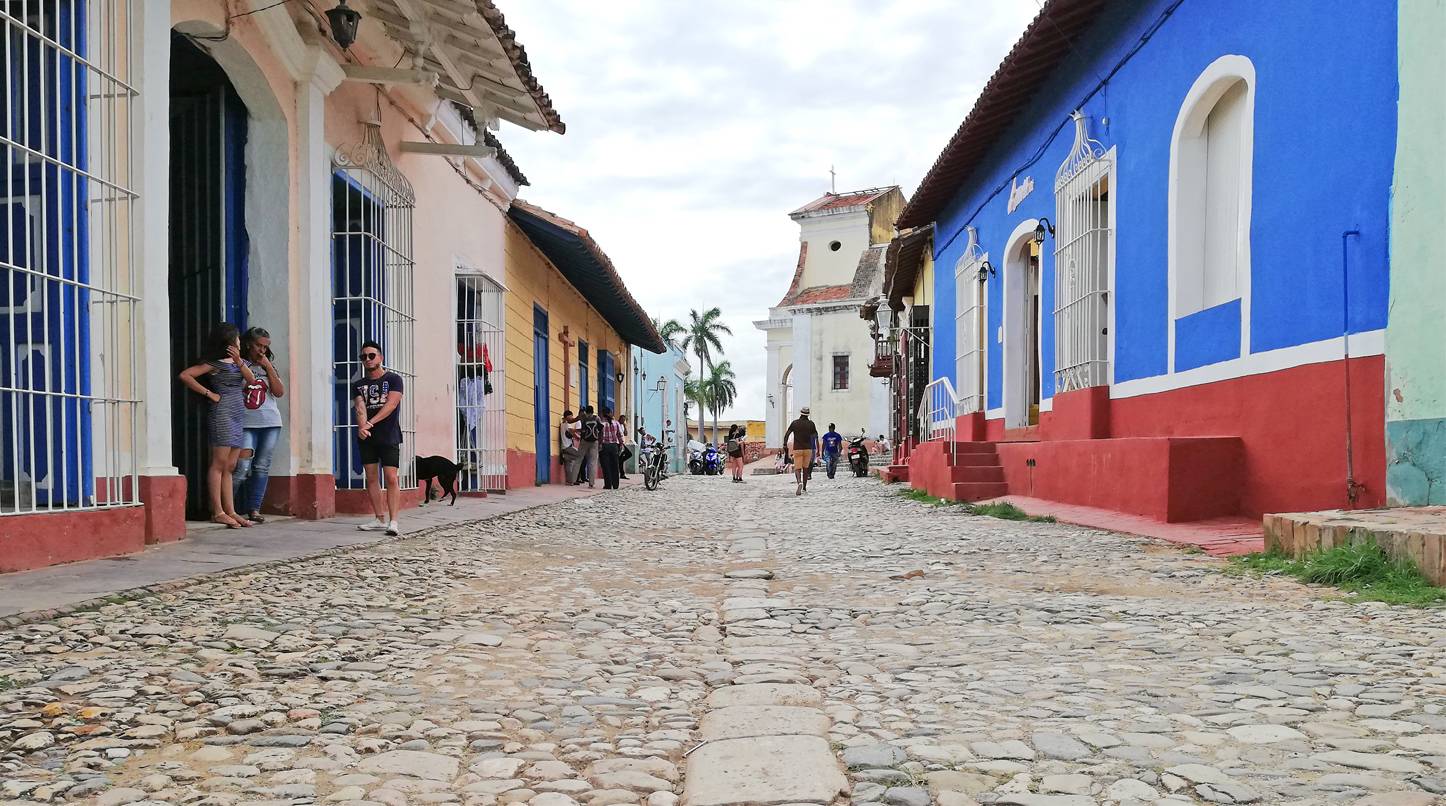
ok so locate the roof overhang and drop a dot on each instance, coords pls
(481, 64)
(1044, 44)
(902, 264)
(583, 264)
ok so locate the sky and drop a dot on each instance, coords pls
(693, 128)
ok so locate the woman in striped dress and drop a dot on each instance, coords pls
(227, 375)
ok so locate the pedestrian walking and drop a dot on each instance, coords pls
(377, 396)
(627, 451)
(228, 374)
(832, 446)
(805, 440)
(589, 430)
(610, 448)
(733, 446)
(567, 441)
(261, 420)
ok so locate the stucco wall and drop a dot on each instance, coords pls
(843, 332)
(531, 280)
(1324, 139)
(825, 266)
(1416, 329)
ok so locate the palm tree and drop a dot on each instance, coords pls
(720, 392)
(670, 331)
(701, 334)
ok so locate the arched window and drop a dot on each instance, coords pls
(1211, 158)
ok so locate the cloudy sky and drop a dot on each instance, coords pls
(693, 128)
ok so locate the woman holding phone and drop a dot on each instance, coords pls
(228, 374)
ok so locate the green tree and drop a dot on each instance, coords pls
(701, 336)
(670, 331)
(720, 391)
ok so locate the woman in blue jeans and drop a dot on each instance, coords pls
(262, 421)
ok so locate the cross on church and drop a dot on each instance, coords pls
(832, 183)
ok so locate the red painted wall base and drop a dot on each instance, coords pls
(309, 496)
(521, 469)
(35, 541)
(356, 502)
(164, 498)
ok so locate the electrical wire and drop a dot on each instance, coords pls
(1054, 134)
(226, 33)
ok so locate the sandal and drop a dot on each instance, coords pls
(225, 520)
(255, 517)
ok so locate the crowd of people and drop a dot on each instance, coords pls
(594, 443)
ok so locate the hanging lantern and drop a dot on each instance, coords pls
(344, 24)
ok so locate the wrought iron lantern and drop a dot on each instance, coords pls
(1040, 229)
(986, 270)
(344, 22)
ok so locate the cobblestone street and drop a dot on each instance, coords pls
(721, 644)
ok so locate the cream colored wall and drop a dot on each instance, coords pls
(841, 332)
(532, 280)
(823, 266)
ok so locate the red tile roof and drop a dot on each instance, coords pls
(1045, 43)
(831, 202)
(797, 275)
(517, 55)
(820, 293)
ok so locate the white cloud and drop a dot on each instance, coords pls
(693, 128)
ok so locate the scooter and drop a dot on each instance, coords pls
(696, 465)
(858, 457)
(712, 461)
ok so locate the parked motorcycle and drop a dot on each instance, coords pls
(696, 465)
(858, 457)
(712, 461)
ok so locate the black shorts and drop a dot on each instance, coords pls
(374, 453)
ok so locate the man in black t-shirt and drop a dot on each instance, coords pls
(377, 396)
(805, 441)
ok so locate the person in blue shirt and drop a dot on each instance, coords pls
(832, 445)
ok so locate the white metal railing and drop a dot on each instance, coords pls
(937, 411)
(69, 304)
(1082, 256)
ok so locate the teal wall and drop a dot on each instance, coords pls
(1416, 324)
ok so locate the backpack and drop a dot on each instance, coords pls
(732, 447)
(591, 431)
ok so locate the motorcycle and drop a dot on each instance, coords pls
(858, 457)
(696, 465)
(712, 461)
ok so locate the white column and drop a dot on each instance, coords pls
(311, 371)
(773, 399)
(150, 137)
(803, 363)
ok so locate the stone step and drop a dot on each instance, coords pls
(977, 473)
(978, 490)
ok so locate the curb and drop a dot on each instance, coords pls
(170, 586)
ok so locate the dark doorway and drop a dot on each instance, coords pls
(208, 242)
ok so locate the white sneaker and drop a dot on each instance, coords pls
(371, 526)
(393, 529)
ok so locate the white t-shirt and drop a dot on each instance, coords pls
(562, 435)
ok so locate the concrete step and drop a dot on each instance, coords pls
(978, 473)
(974, 460)
(978, 490)
(961, 448)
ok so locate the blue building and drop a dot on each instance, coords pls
(1161, 267)
(657, 407)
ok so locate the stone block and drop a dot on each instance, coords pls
(765, 771)
(746, 721)
(765, 694)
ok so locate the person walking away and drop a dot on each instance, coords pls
(832, 445)
(733, 445)
(261, 420)
(590, 432)
(627, 451)
(610, 448)
(377, 397)
(568, 451)
(228, 374)
(805, 439)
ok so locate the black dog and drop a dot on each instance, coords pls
(442, 469)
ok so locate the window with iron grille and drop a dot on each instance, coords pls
(840, 372)
(1082, 264)
(69, 403)
(969, 319)
(481, 423)
(372, 269)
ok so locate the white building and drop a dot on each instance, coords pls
(818, 348)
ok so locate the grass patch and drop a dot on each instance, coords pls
(1362, 569)
(999, 509)
(7, 683)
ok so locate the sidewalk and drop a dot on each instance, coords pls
(207, 550)
(1221, 537)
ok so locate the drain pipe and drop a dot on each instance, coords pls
(1353, 490)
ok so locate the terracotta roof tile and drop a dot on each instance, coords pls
(518, 56)
(830, 202)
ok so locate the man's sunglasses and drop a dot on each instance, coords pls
(370, 356)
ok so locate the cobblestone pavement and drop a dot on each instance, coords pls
(730, 644)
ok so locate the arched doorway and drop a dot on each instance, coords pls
(786, 384)
(1023, 355)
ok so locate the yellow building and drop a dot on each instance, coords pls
(569, 322)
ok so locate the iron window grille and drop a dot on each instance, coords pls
(481, 418)
(1082, 258)
(69, 398)
(969, 323)
(372, 278)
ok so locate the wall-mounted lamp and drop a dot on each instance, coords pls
(620, 377)
(344, 24)
(1041, 228)
(986, 270)
(770, 401)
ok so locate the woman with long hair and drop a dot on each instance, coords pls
(261, 420)
(227, 374)
(733, 444)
